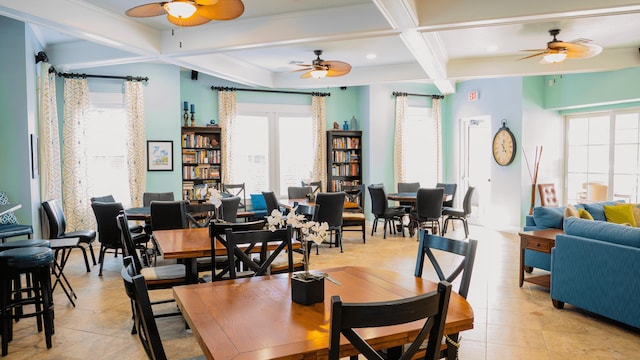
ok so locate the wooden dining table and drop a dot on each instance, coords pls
(190, 244)
(255, 318)
(412, 197)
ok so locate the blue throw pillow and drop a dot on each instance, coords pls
(257, 200)
(603, 231)
(597, 209)
(549, 217)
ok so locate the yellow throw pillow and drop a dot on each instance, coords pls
(619, 214)
(570, 211)
(634, 209)
(584, 214)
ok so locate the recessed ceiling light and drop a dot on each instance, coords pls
(371, 56)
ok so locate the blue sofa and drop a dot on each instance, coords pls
(552, 217)
(594, 267)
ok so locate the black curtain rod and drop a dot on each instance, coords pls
(398, 93)
(129, 78)
(224, 88)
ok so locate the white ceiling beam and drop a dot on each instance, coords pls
(84, 54)
(225, 67)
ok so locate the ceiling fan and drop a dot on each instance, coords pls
(558, 50)
(324, 68)
(188, 12)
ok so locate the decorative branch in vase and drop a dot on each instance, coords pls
(534, 175)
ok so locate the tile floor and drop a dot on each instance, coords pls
(510, 322)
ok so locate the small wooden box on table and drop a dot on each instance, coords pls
(537, 240)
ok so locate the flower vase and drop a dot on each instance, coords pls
(307, 289)
(186, 118)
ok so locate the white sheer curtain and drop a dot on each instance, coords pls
(319, 127)
(401, 116)
(136, 162)
(437, 124)
(75, 184)
(226, 116)
(48, 136)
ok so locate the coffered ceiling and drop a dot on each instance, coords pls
(438, 42)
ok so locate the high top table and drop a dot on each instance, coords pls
(255, 318)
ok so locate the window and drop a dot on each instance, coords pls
(274, 147)
(419, 153)
(603, 160)
(107, 148)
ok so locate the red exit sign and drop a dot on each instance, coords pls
(472, 95)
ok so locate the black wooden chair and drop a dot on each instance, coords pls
(353, 218)
(148, 197)
(220, 263)
(271, 201)
(316, 186)
(134, 228)
(432, 306)
(229, 208)
(331, 208)
(428, 209)
(381, 210)
(449, 189)
(109, 232)
(238, 190)
(58, 227)
(460, 214)
(465, 253)
(144, 322)
(242, 246)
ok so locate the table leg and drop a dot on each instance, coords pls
(192, 270)
(58, 267)
(522, 246)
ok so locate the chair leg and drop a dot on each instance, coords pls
(93, 255)
(103, 250)
(466, 228)
(86, 259)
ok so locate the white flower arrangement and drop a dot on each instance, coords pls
(215, 197)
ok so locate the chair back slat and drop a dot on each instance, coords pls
(238, 190)
(241, 245)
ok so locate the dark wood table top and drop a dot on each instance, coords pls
(255, 318)
(412, 197)
(547, 234)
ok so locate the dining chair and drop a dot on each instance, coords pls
(449, 189)
(271, 201)
(229, 208)
(155, 277)
(200, 214)
(242, 247)
(217, 233)
(405, 187)
(238, 190)
(381, 210)
(148, 197)
(316, 186)
(331, 208)
(58, 230)
(298, 192)
(464, 253)
(430, 307)
(109, 232)
(167, 215)
(428, 209)
(353, 218)
(460, 214)
(135, 228)
(144, 322)
(548, 195)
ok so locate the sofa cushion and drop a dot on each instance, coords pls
(584, 214)
(548, 217)
(620, 214)
(635, 210)
(597, 209)
(257, 200)
(571, 211)
(603, 231)
(8, 218)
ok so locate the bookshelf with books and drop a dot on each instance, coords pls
(201, 161)
(344, 159)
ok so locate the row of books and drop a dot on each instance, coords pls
(200, 172)
(346, 156)
(190, 156)
(345, 169)
(199, 191)
(192, 140)
(346, 143)
(338, 185)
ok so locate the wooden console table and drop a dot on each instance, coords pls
(537, 240)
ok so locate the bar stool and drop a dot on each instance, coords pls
(35, 262)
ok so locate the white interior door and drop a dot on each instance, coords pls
(476, 165)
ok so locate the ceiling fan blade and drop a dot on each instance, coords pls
(307, 65)
(534, 55)
(571, 47)
(193, 20)
(592, 50)
(536, 50)
(336, 73)
(206, 2)
(147, 10)
(304, 69)
(337, 66)
(306, 75)
(222, 10)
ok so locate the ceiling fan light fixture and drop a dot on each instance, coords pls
(317, 74)
(180, 9)
(555, 57)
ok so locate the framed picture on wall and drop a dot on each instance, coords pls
(159, 155)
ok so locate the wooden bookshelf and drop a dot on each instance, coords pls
(344, 159)
(201, 161)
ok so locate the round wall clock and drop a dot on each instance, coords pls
(504, 145)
